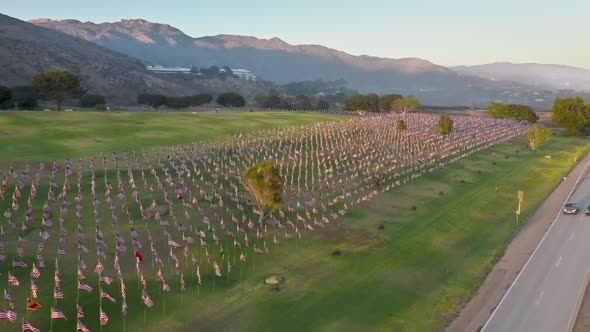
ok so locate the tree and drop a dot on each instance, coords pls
(272, 101)
(151, 99)
(571, 114)
(404, 105)
(444, 124)
(24, 97)
(200, 99)
(373, 100)
(512, 111)
(57, 85)
(362, 103)
(303, 102)
(264, 182)
(400, 125)
(322, 105)
(5, 97)
(538, 135)
(92, 100)
(231, 99)
(386, 101)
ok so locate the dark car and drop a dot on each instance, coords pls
(571, 208)
(588, 210)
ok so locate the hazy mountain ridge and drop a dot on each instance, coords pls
(546, 76)
(275, 60)
(26, 49)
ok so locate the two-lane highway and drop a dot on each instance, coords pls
(546, 294)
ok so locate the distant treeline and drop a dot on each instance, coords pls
(18, 97)
(513, 111)
(174, 102)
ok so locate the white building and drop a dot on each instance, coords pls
(168, 70)
(244, 74)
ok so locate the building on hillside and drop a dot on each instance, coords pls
(243, 74)
(168, 70)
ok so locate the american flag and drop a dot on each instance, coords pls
(28, 327)
(198, 275)
(107, 280)
(35, 272)
(18, 263)
(99, 268)
(61, 251)
(11, 316)
(105, 295)
(124, 308)
(243, 257)
(56, 314)
(104, 319)
(182, 283)
(34, 289)
(12, 280)
(217, 269)
(79, 311)
(81, 327)
(58, 294)
(8, 298)
(123, 290)
(83, 286)
(147, 301)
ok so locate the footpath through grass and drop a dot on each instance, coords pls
(35, 136)
(411, 276)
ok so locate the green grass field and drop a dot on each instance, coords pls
(411, 276)
(33, 136)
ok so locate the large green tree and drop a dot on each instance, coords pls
(571, 114)
(386, 101)
(444, 124)
(57, 85)
(512, 111)
(264, 182)
(231, 99)
(538, 135)
(404, 105)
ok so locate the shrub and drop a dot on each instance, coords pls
(92, 100)
(101, 107)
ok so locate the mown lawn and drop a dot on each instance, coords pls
(34, 136)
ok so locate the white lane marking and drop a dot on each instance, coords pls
(540, 297)
(558, 261)
(571, 236)
(538, 245)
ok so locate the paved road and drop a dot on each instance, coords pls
(546, 294)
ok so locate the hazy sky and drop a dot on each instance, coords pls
(446, 32)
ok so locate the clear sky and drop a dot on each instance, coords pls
(446, 32)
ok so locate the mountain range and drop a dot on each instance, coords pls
(111, 59)
(551, 77)
(277, 61)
